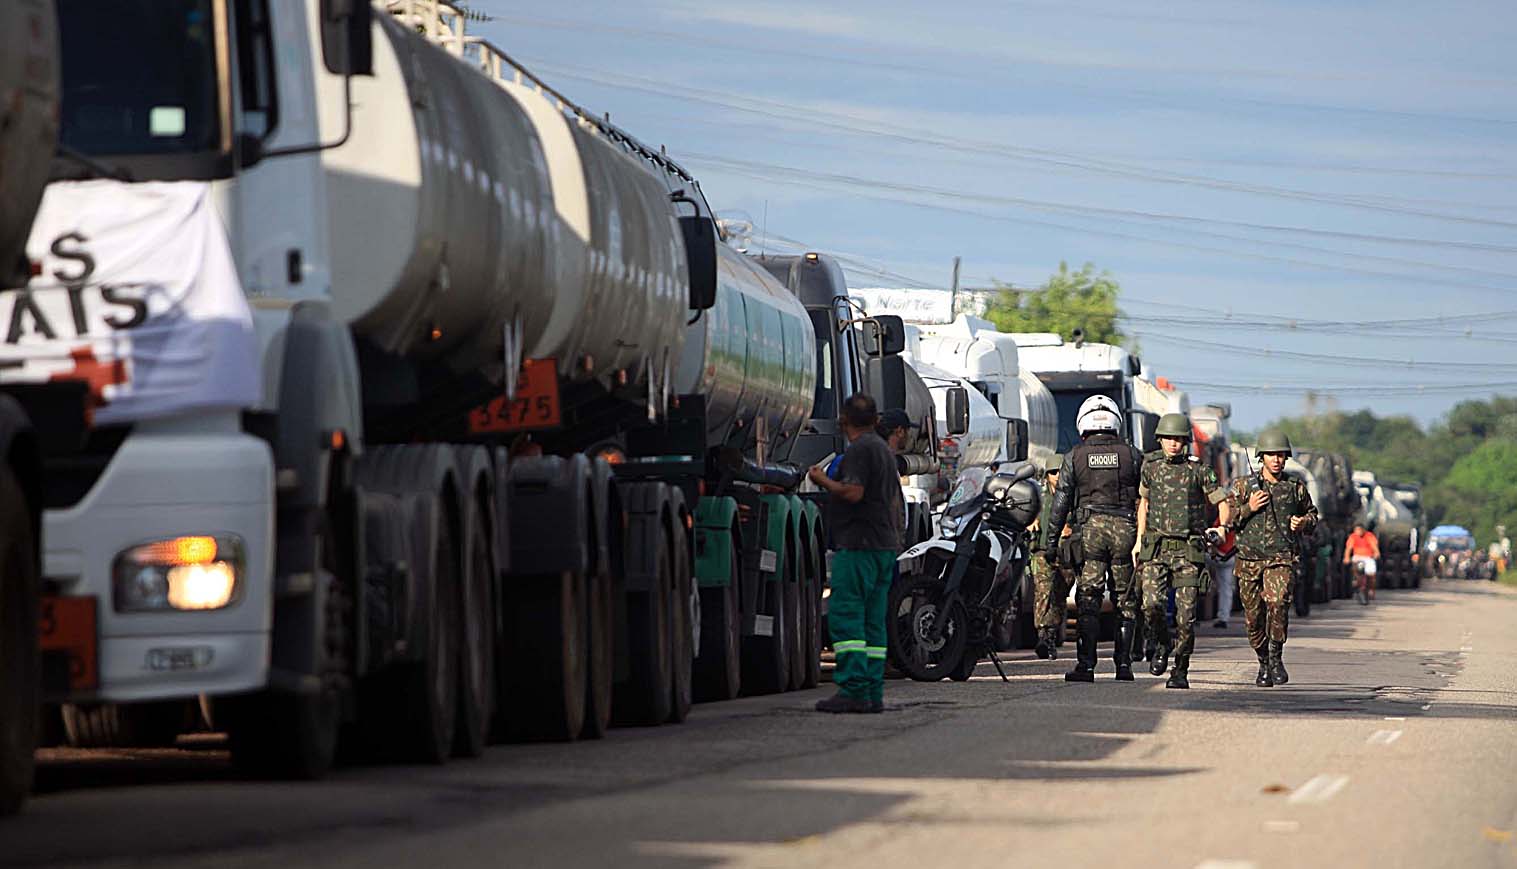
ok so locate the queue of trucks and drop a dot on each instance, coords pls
(362, 394)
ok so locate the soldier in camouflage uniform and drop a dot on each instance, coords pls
(1175, 492)
(1098, 483)
(1052, 578)
(1271, 509)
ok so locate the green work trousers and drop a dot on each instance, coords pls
(856, 616)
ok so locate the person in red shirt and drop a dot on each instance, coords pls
(1364, 548)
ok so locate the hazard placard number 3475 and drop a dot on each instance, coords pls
(536, 405)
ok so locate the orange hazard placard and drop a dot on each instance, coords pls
(536, 404)
(67, 625)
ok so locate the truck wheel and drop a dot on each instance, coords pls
(548, 665)
(684, 615)
(476, 652)
(296, 736)
(811, 596)
(600, 647)
(20, 664)
(719, 669)
(429, 693)
(796, 630)
(644, 699)
(766, 659)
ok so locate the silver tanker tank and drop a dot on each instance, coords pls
(28, 119)
(470, 215)
(753, 356)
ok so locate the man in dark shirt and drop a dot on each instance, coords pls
(865, 499)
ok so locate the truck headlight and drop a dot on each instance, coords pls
(178, 573)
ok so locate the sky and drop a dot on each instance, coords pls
(1270, 182)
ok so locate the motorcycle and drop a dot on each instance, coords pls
(956, 587)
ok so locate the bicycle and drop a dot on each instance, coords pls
(1362, 580)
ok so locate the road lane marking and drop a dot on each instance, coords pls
(1319, 789)
(1426, 706)
(1227, 864)
(1395, 718)
(1384, 737)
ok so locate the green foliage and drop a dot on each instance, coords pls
(1067, 300)
(1466, 463)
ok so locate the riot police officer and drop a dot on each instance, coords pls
(1099, 485)
(1175, 492)
(1271, 509)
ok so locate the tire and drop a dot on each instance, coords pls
(684, 615)
(965, 668)
(797, 631)
(913, 607)
(20, 662)
(644, 699)
(548, 665)
(600, 647)
(719, 669)
(811, 596)
(476, 658)
(766, 660)
(296, 735)
(429, 687)
(123, 725)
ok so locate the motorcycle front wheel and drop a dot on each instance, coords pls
(924, 650)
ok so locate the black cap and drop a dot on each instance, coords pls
(895, 418)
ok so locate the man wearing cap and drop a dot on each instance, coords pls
(863, 508)
(1053, 576)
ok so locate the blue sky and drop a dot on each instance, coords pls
(1252, 173)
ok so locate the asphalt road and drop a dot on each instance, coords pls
(1395, 744)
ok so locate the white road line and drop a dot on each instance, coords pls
(1384, 737)
(1227, 864)
(1395, 718)
(1426, 706)
(1319, 789)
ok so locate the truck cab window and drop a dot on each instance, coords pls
(824, 404)
(139, 76)
(255, 67)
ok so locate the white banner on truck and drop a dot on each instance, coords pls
(137, 295)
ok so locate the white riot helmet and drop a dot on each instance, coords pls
(1098, 413)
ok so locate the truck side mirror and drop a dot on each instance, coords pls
(885, 379)
(884, 335)
(957, 410)
(1142, 425)
(1017, 440)
(700, 258)
(347, 38)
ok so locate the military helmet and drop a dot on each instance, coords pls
(1053, 463)
(1174, 425)
(1273, 441)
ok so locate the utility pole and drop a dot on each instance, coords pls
(953, 292)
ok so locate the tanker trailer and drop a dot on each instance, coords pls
(28, 139)
(1396, 529)
(326, 413)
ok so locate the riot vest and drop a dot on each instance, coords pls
(1106, 475)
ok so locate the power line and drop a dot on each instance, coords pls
(1293, 355)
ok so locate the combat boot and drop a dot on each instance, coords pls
(1177, 678)
(1122, 654)
(1160, 657)
(1276, 666)
(1045, 646)
(1264, 679)
(1085, 650)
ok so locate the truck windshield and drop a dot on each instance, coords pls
(1069, 402)
(139, 77)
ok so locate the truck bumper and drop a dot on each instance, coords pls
(169, 480)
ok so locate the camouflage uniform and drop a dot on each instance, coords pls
(1268, 553)
(1107, 542)
(1178, 491)
(1050, 583)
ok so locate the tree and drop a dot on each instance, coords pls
(1066, 301)
(1484, 483)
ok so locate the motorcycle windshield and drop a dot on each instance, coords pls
(966, 490)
